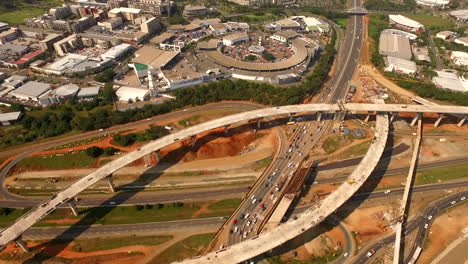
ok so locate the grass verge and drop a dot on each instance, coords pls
(187, 248)
(77, 159)
(97, 244)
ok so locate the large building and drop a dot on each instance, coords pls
(409, 36)
(400, 65)
(195, 10)
(461, 15)
(233, 39)
(127, 14)
(284, 24)
(117, 52)
(433, 3)
(9, 35)
(155, 7)
(394, 45)
(154, 58)
(151, 26)
(31, 91)
(463, 41)
(449, 80)
(48, 42)
(75, 64)
(405, 23)
(459, 58)
(67, 45)
(131, 94)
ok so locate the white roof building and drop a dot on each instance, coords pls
(400, 65)
(459, 58)
(450, 80)
(7, 118)
(405, 22)
(445, 34)
(433, 3)
(31, 91)
(409, 36)
(126, 94)
(460, 14)
(88, 92)
(463, 41)
(395, 46)
(116, 51)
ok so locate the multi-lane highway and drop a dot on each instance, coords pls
(422, 223)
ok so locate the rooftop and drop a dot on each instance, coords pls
(394, 45)
(405, 21)
(88, 91)
(162, 38)
(154, 57)
(236, 36)
(125, 10)
(116, 50)
(5, 117)
(32, 88)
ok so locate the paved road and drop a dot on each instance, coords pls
(421, 223)
(22, 151)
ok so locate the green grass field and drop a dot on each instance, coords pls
(187, 248)
(331, 144)
(354, 151)
(25, 10)
(431, 21)
(96, 244)
(447, 173)
(63, 161)
(342, 22)
(225, 204)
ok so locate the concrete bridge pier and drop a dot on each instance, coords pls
(110, 182)
(461, 122)
(73, 208)
(20, 242)
(259, 124)
(437, 122)
(319, 116)
(157, 155)
(415, 119)
(291, 117)
(226, 129)
(392, 116)
(367, 118)
(192, 141)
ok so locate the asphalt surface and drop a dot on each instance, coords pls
(106, 230)
(255, 210)
(421, 223)
(23, 151)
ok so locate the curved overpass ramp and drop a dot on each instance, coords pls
(312, 217)
(17, 228)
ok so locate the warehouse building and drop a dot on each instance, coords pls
(463, 41)
(459, 58)
(461, 15)
(405, 23)
(449, 80)
(117, 52)
(131, 94)
(233, 39)
(153, 57)
(88, 93)
(433, 3)
(31, 91)
(7, 119)
(394, 45)
(400, 65)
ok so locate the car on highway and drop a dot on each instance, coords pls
(387, 191)
(370, 253)
(234, 221)
(463, 198)
(254, 201)
(426, 225)
(429, 217)
(246, 215)
(345, 254)
(453, 202)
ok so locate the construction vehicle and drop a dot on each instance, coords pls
(352, 181)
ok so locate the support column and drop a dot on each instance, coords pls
(335, 115)
(415, 119)
(367, 118)
(20, 242)
(73, 208)
(258, 123)
(226, 129)
(392, 116)
(462, 121)
(192, 141)
(437, 122)
(319, 116)
(110, 182)
(157, 156)
(290, 118)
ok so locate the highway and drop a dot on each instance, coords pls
(21, 152)
(109, 230)
(421, 223)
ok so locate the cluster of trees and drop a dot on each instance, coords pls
(450, 45)
(97, 114)
(105, 76)
(157, 206)
(97, 151)
(389, 5)
(152, 133)
(268, 56)
(429, 90)
(250, 57)
(377, 23)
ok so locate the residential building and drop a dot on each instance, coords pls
(462, 40)
(67, 45)
(232, 39)
(219, 29)
(195, 10)
(111, 23)
(459, 58)
(117, 3)
(48, 42)
(151, 26)
(155, 7)
(405, 23)
(395, 46)
(400, 65)
(60, 12)
(126, 13)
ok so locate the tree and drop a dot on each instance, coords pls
(108, 94)
(105, 76)
(94, 151)
(110, 151)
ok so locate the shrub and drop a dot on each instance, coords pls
(94, 151)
